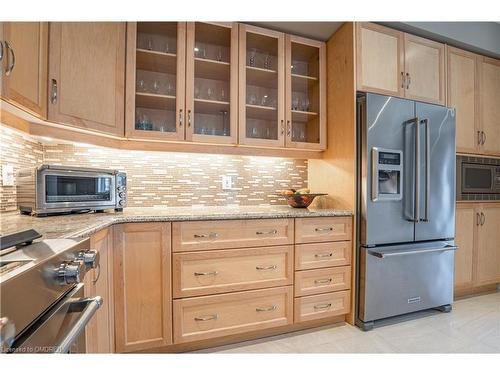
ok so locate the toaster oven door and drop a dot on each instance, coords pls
(59, 190)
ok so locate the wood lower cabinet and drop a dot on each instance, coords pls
(320, 255)
(489, 110)
(142, 286)
(87, 75)
(488, 245)
(323, 229)
(23, 65)
(233, 313)
(477, 260)
(99, 282)
(322, 306)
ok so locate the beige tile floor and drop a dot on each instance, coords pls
(472, 327)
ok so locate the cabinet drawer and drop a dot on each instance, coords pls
(201, 318)
(322, 305)
(323, 229)
(318, 255)
(210, 272)
(230, 234)
(324, 280)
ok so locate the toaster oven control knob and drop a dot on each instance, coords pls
(121, 202)
(122, 188)
(90, 258)
(121, 194)
(70, 273)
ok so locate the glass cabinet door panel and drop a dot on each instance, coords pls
(159, 80)
(211, 82)
(305, 63)
(261, 86)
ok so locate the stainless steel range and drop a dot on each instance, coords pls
(42, 305)
(406, 203)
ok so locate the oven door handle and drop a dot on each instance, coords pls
(384, 254)
(88, 307)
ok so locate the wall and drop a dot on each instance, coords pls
(162, 178)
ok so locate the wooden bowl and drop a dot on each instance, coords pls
(300, 200)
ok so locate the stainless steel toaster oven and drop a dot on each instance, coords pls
(51, 189)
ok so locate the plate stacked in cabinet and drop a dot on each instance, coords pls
(231, 277)
(322, 267)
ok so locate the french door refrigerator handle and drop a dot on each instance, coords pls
(427, 170)
(381, 254)
(416, 202)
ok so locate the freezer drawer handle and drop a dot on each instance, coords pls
(411, 252)
(88, 306)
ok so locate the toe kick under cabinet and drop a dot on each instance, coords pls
(230, 277)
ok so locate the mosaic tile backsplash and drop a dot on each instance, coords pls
(162, 178)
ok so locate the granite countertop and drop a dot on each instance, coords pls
(83, 225)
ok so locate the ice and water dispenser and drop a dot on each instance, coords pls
(387, 174)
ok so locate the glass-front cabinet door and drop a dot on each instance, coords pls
(261, 87)
(156, 89)
(212, 82)
(305, 62)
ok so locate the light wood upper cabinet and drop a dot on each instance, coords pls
(488, 245)
(489, 108)
(156, 80)
(465, 228)
(87, 75)
(380, 59)
(305, 84)
(462, 95)
(261, 87)
(424, 70)
(99, 282)
(142, 286)
(390, 62)
(212, 82)
(23, 66)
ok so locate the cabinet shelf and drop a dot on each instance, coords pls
(210, 106)
(212, 69)
(303, 116)
(261, 77)
(302, 77)
(156, 61)
(261, 112)
(155, 101)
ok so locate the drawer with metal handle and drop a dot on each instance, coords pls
(321, 306)
(321, 255)
(230, 234)
(323, 229)
(322, 280)
(219, 271)
(226, 314)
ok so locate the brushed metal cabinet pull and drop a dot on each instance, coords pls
(266, 268)
(274, 231)
(329, 229)
(323, 281)
(478, 219)
(483, 218)
(209, 235)
(12, 64)
(1, 50)
(189, 118)
(209, 273)
(483, 137)
(288, 128)
(402, 80)
(53, 91)
(180, 118)
(479, 137)
(408, 81)
(206, 318)
(322, 306)
(282, 127)
(264, 309)
(329, 255)
(98, 268)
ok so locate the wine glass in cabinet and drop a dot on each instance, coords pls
(261, 87)
(305, 62)
(156, 80)
(212, 82)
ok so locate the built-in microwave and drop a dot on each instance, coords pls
(51, 189)
(478, 178)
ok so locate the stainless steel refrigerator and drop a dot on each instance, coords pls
(406, 207)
